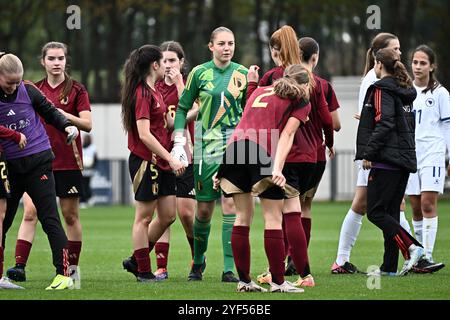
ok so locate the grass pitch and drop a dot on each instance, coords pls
(107, 241)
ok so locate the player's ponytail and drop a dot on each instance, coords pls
(68, 81)
(289, 87)
(433, 83)
(392, 64)
(136, 70)
(380, 41)
(284, 40)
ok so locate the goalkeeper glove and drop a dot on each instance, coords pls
(178, 151)
(72, 134)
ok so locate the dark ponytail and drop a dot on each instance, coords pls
(136, 70)
(391, 62)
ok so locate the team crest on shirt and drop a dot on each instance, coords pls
(64, 101)
(429, 102)
(238, 82)
(155, 188)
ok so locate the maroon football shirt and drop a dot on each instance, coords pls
(150, 105)
(170, 96)
(67, 157)
(333, 105)
(266, 115)
(268, 79)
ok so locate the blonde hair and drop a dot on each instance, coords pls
(216, 31)
(10, 64)
(289, 87)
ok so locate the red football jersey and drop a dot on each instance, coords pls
(267, 80)
(265, 116)
(149, 104)
(67, 157)
(170, 96)
(333, 105)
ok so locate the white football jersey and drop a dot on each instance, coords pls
(368, 80)
(431, 110)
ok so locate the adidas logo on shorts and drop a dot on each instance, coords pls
(73, 190)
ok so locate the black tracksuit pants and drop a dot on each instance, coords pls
(33, 174)
(385, 191)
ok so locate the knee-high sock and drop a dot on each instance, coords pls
(162, 254)
(417, 225)
(297, 241)
(429, 231)
(23, 249)
(347, 238)
(404, 223)
(306, 223)
(274, 247)
(286, 243)
(240, 244)
(227, 228)
(74, 249)
(143, 260)
(201, 236)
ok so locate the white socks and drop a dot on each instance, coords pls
(417, 225)
(404, 223)
(429, 231)
(349, 232)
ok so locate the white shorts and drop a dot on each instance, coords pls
(363, 176)
(426, 179)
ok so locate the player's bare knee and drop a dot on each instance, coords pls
(204, 214)
(428, 207)
(30, 217)
(186, 215)
(143, 220)
(71, 219)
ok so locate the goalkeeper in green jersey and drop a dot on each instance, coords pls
(219, 86)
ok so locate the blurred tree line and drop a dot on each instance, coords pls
(110, 29)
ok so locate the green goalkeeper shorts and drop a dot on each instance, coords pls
(203, 173)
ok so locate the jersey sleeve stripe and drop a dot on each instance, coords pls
(377, 104)
(191, 75)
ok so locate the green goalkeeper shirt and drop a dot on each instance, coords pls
(221, 96)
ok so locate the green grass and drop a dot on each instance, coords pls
(107, 240)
